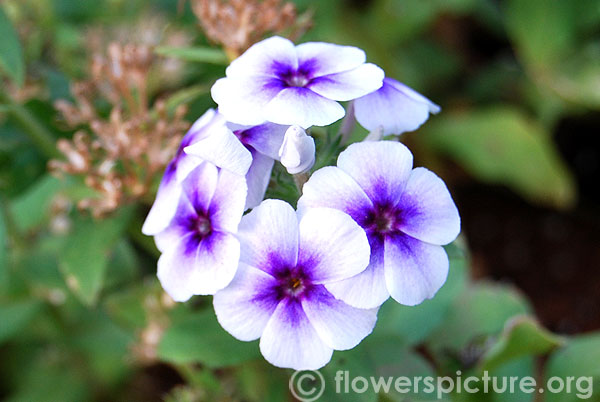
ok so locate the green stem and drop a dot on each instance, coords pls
(38, 134)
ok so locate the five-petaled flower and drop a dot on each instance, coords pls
(408, 215)
(280, 292)
(200, 252)
(294, 85)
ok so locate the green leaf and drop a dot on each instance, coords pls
(522, 336)
(15, 316)
(31, 208)
(500, 145)
(198, 338)
(194, 54)
(407, 322)
(482, 310)
(551, 36)
(578, 359)
(87, 252)
(11, 54)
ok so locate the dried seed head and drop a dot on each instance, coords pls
(121, 155)
(237, 24)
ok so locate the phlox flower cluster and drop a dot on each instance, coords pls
(310, 281)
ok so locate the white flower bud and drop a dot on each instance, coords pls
(297, 153)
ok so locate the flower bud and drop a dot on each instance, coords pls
(297, 153)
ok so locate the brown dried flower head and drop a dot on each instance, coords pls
(118, 156)
(237, 24)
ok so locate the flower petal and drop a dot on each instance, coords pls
(319, 58)
(200, 186)
(258, 178)
(367, 289)
(428, 211)
(265, 138)
(340, 326)
(332, 247)
(297, 153)
(290, 341)
(222, 148)
(245, 306)
(333, 188)
(227, 204)
(350, 84)
(199, 267)
(266, 57)
(381, 168)
(164, 206)
(414, 270)
(242, 100)
(433, 108)
(302, 107)
(394, 107)
(269, 236)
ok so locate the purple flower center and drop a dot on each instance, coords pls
(203, 226)
(300, 77)
(292, 283)
(383, 220)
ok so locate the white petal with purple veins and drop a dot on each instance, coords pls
(269, 235)
(264, 58)
(428, 211)
(340, 326)
(199, 268)
(319, 58)
(380, 168)
(290, 341)
(227, 204)
(222, 148)
(297, 153)
(332, 247)
(302, 107)
(414, 270)
(349, 85)
(367, 289)
(258, 178)
(333, 188)
(245, 306)
(394, 108)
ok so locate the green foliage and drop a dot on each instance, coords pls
(198, 337)
(11, 54)
(522, 336)
(86, 254)
(500, 145)
(78, 306)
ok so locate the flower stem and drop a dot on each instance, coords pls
(300, 179)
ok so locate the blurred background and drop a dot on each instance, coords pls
(95, 96)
